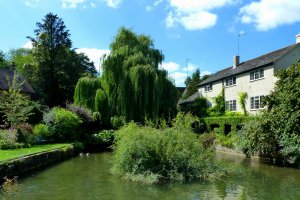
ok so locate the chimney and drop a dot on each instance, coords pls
(236, 61)
(298, 38)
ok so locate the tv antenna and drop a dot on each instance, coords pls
(241, 33)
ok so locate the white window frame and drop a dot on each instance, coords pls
(208, 87)
(257, 74)
(256, 102)
(230, 105)
(230, 81)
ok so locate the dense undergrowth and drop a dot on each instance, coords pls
(150, 155)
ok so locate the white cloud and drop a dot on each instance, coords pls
(190, 68)
(31, 3)
(156, 3)
(205, 72)
(89, 3)
(179, 78)
(194, 14)
(94, 54)
(170, 66)
(27, 45)
(149, 8)
(269, 14)
(72, 3)
(113, 3)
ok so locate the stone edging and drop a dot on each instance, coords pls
(31, 163)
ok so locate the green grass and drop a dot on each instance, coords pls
(6, 155)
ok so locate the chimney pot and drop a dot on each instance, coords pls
(236, 61)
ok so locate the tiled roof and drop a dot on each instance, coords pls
(260, 61)
(190, 99)
(6, 74)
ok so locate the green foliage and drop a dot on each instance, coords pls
(192, 83)
(14, 105)
(85, 92)
(25, 135)
(275, 135)
(151, 155)
(219, 108)
(3, 61)
(233, 121)
(41, 131)
(207, 139)
(8, 139)
(118, 121)
(63, 125)
(58, 66)
(242, 101)
(104, 138)
(198, 107)
(230, 140)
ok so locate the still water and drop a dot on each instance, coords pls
(88, 177)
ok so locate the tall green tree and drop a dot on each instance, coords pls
(59, 66)
(3, 61)
(192, 83)
(132, 85)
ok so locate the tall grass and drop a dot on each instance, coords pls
(150, 155)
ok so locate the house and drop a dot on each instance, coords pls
(9, 74)
(254, 77)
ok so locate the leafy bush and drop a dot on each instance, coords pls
(63, 125)
(172, 154)
(104, 138)
(41, 132)
(84, 114)
(118, 121)
(207, 139)
(8, 139)
(24, 133)
(276, 134)
(229, 141)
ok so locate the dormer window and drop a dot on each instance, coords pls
(208, 87)
(230, 81)
(257, 74)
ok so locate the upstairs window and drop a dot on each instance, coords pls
(208, 87)
(231, 105)
(257, 74)
(256, 102)
(230, 81)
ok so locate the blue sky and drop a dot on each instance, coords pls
(195, 33)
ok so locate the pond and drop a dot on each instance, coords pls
(88, 177)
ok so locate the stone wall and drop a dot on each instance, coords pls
(31, 163)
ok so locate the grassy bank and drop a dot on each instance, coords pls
(6, 155)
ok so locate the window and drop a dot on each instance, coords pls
(230, 81)
(208, 87)
(256, 102)
(231, 105)
(257, 74)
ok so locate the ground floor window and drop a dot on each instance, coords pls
(231, 105)
(256, 102)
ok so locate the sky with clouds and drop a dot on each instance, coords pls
(192, 34)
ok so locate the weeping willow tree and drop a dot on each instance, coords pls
(132, 85)
(85, 92)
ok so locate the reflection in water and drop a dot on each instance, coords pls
(89, 178)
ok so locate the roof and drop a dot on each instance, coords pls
(190, 99)
(181, 89)
(260, 61)
(6, 74)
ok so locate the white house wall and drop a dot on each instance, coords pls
(209, 95)
(252, 88)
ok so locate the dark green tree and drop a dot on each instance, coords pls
(3, 61)
(192, 83)
(59, 66)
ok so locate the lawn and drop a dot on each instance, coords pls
(16, 153)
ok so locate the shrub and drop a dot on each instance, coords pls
(84, 114)
(172, 154)
(229, 141)
(24, 133)
(104, 138)
(41, 132)
(207, 139)
(8, 139)
(63, 125)
(118, 121)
